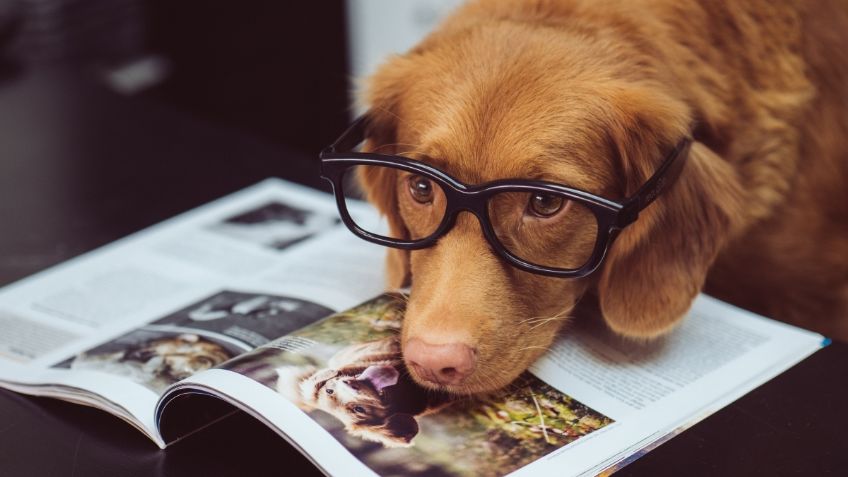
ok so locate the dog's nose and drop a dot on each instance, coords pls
(440, 363)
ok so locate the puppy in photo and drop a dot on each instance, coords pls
(156, 363)
(636, 151)
(367, 389)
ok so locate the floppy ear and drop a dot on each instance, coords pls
(401, 428)
(659, 264)
(379, 187)
(383, 95)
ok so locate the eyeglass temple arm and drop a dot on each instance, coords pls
(665, 176)
(353, 135)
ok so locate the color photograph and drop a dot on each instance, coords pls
(347, 373)
(157, 356)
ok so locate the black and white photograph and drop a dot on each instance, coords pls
(275, 225)
(253, 318)
(198, 337)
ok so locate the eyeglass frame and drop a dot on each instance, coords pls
(611, 216)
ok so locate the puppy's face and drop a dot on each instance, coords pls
(179, 357)
(505, 100)
(355, 396)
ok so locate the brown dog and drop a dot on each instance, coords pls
(593, 94)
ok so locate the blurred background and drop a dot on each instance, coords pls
(279, 71)
(118, 114)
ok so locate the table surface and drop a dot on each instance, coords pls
(81, 167)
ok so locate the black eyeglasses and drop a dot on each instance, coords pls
(523, 220)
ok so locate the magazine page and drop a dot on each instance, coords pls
(339, 392)
(657, 390)
(115, 327)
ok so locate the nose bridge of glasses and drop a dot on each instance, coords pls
(470, 201)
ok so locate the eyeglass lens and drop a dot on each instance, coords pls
(418, 201)
(542, 228)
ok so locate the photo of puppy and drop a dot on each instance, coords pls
(347, 375)
(593, 95)
(366, 387)
(153, 357)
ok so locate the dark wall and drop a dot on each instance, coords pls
(277, 69)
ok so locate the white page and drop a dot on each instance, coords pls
(222, 259)
(716, 355)
(635, 394)
(284, 418)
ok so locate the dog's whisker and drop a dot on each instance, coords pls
(546, 321)
(543, 348)
(530, 319)
(533, 319)
(537, 322)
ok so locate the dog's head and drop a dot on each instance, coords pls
(509, 99)
(359, 398)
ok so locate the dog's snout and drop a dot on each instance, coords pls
(440, 363)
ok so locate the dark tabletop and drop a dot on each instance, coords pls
(81, 167)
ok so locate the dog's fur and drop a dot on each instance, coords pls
(593, 94)
(386, 415)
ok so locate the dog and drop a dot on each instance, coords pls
(156, 363)
(593, 94)
(367, 389)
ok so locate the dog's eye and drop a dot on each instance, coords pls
(359, 409)
(329, 391)
(420, 188)
(545, 205)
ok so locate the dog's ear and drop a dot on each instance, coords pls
(379, 185)
(401, 428)
(383, 97)
(659, 264)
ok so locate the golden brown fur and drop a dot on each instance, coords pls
(593, 94)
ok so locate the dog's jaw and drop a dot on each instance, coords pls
(502, 353)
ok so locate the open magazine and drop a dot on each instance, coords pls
(263, 302)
